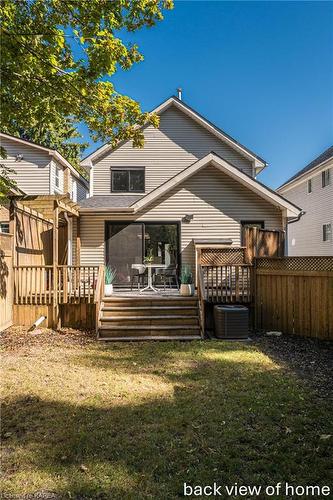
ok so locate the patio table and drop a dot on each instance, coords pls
(150, 276)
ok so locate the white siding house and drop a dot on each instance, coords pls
(39, 171)
(312, 190)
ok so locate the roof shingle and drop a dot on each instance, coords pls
(110, 201)
(326, 155)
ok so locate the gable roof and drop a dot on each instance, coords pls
(52, 152)
(226, 167)
(194, 115)
(322, 158)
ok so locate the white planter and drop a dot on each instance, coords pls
(108, 290)
(186, 290)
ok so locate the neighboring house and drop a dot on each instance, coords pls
(190, 183)
(312, 189)
(40, 171)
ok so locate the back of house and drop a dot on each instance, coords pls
(312, 189)
(190, 184)
(38, 170)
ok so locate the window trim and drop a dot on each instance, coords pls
(323, 232)
(57, 179)
(309, 183)
(324, 179)
(128, 169)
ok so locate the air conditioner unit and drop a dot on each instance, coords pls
(231, 322)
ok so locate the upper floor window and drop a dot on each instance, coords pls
(74, 190)
(309, 186)
(130, 180)
(57, 175)
(325, 178)
(327, 232)
(4, 227)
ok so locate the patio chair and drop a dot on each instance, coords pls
(138, 273)
(168, 274)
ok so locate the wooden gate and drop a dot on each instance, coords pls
(6, 281)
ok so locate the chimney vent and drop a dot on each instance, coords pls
(179, 91)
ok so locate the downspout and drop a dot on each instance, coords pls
(295, 219)
(69, 238)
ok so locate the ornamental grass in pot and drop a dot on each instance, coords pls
(186, 279)
(110, 276)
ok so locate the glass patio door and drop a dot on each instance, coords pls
(124, 247)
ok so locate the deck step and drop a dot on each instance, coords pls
(171, 320)
(150, 301)
(152, 337)
(106, 331)
(121, 311)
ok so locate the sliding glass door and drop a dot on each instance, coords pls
(161, 242)
(128, 243)
(124, 247)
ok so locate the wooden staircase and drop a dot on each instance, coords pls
(148, 318)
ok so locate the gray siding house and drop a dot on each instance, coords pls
(191, 181)
(312, 189)
(40, 171)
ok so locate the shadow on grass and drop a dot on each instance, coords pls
(226, 421)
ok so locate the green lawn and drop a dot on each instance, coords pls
(88, 420)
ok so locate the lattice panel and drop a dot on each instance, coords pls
(222, 256)
(295, 263)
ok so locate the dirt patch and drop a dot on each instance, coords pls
(310, 359)
(18, 338)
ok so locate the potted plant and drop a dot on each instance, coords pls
(186, 279)
(110, 276)
(149, 257)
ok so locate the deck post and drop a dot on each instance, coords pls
(56, 316)
(78, 243)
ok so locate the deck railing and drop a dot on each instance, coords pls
(201, 301)
(35, 284)
(227, 284)
(99, 292)
(76, 283)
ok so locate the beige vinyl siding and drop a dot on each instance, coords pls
(177, 143)
(305, 237)
(4, 214)
(82, 191)
(32, 173)
(217, 202)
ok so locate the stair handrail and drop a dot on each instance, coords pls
(99, 293)
(202, 299)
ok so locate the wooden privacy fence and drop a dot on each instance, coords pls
(6, 281)
(262, 243)
(295, 295)
(33, 237)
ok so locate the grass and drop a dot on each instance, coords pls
(139, 420)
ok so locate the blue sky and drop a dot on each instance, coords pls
(261, 71)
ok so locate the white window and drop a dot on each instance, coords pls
(327, 232)
(74, 190)
(57, 175)
(4, 227)
(325, 178)
(309, 186)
